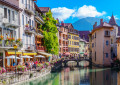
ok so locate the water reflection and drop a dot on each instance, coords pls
(79, 76)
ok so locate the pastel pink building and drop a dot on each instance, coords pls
(100, 43)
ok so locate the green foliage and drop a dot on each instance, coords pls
(50, 33)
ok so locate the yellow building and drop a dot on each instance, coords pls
(73, 39)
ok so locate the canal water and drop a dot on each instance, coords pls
(79, 76)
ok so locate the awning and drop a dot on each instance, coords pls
(85, 53)
(44, 53)
(67, 53)
(29, 53)
(13, 53)
(12, 57)
(40, 56)
(25, 56)
(81, 52)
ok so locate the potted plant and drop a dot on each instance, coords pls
(2, 70)
(1, 38)
(21, 68)
(12, 39)
(46, 64)
(40, 66)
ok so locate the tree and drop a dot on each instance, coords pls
(50, 33)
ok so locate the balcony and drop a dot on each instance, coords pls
(29, 9)
(39, 34)
(29, 30)
(39, 17)
(10, 23)
(29, 47)
(8, 44)
(40, 48)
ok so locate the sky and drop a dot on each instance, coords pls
(70, 11)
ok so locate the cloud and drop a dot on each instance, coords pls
(114, 17)
(88, 11)
(62, 13)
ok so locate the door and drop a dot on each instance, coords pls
(1, 59)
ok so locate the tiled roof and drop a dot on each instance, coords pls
(44, 9)
(104, 24)
(84, 35)
(67, 24)
(37, 8)
(10, 4)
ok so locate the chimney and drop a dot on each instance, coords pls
(94, 25)
(62, 23)
(101, 21)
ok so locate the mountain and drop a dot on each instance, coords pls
(86, 24)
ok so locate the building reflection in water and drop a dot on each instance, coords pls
(86, 76)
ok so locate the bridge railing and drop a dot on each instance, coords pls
(77, 58)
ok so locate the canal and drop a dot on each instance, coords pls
(79, 76)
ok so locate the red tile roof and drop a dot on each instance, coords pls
(44, 9)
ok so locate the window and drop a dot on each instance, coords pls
(26, 20)
(13, 15)
(5, 12)
(32, 23)
(111, 41)
(23, 20)
(92, 44)
(22, 1)
(106, 55)
(107, 33)
(95, 56)
(95, 35)
(107, 42)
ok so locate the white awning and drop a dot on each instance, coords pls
(40, 56)
(44, 53)
(12, 57)
(26, 56)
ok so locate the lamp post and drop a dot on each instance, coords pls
(15, 47)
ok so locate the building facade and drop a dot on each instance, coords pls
(73, 40)
(84, 43)
(9, 28)
(63, 41)
(101, 43)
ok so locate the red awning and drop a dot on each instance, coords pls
(67, 53)
(85, 53)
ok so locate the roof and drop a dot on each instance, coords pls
(37, 8)
(84, 35)
(44, 9)
(112, 20)
(5, 2)
(67, 24)
(102, 25)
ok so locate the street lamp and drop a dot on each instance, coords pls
(15, 47)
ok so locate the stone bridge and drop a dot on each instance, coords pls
(77, 60)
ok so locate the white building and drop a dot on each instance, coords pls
(9, 26)
(27, 23)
